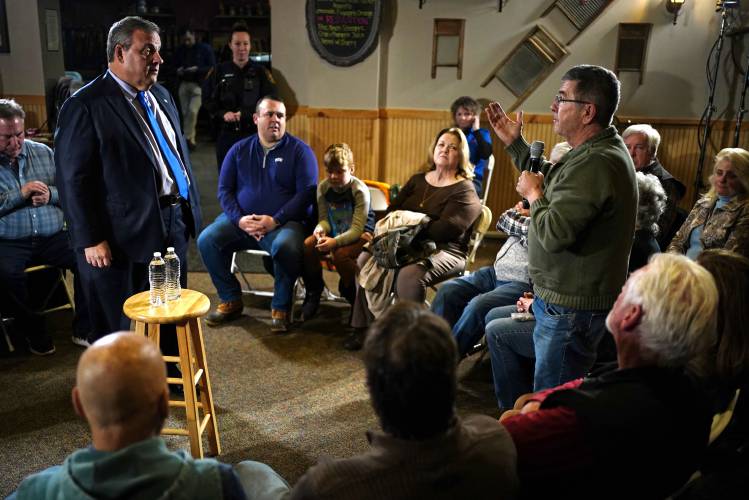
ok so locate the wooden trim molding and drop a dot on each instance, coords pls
(35, 107)
(390, 144)
(342, 113)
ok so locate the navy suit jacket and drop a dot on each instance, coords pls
(106, 171)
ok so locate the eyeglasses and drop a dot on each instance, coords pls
(559, 100)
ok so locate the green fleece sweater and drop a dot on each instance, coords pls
(583, 226)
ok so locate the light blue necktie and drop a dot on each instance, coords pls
(166, 150)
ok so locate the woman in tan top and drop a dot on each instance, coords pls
(446, 194)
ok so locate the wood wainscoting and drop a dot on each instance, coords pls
(35, 107)
(390, 145)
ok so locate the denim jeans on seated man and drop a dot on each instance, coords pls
(510, 344)
(285, 245)
(464, 303)
(260, 482)
(565, 341)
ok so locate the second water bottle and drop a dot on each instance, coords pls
(173, 289)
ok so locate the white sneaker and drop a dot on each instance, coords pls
(80, 341)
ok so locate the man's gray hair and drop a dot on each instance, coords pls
(679, 302)
(652, 202)
(599, 86)
(559, 150)
(651, 134)
(121, 33)
(10, 110)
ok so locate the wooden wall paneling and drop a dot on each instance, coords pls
(679, 152)
(392, 144)
(35, 107)
(406, 136)
(355, 128)
(297, 124)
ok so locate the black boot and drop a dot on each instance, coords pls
(311, 304)
(355, 340)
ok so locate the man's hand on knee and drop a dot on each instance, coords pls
(260, 224)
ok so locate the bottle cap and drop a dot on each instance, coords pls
(170, 249)
(157, 254)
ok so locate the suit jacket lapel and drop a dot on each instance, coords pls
(125, 111)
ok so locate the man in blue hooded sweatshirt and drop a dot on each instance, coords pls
(121, 391)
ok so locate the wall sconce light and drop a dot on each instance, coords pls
(673, 7)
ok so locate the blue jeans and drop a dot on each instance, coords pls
(510, 345)
(285, 245)
(465, 301)
(260, 482)
(565, 342)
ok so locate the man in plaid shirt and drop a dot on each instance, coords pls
(31, 227)
(465, 301)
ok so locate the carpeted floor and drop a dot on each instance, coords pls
(281, 399)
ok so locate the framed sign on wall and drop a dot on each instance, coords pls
(344, 33)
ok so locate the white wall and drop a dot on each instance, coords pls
(21, 71)
(674, 84)
(314, 81)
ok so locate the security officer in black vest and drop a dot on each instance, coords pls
(234, 88)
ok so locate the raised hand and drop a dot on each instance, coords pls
(506, 129)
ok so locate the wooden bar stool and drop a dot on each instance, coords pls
(185, 314)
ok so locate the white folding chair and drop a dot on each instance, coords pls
(488, 171)
(247, 262)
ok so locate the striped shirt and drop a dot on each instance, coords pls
(18, 217)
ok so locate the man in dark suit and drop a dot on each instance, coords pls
(124, 174)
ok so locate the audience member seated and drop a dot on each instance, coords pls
(465, 301)
(345, 224)
(642, 141)
(32, 230)
(641, 430)
(720, 219)
(466, 112)
(266, 189)
(650, 205)
(510, 341)
(723, 471)
(121, 391)
(424, 450)
(445, 195)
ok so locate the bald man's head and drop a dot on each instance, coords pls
(121, 383)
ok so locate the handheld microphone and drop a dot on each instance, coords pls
(537, 150)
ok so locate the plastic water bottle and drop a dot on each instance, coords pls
(173, 290)
(157, 280)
